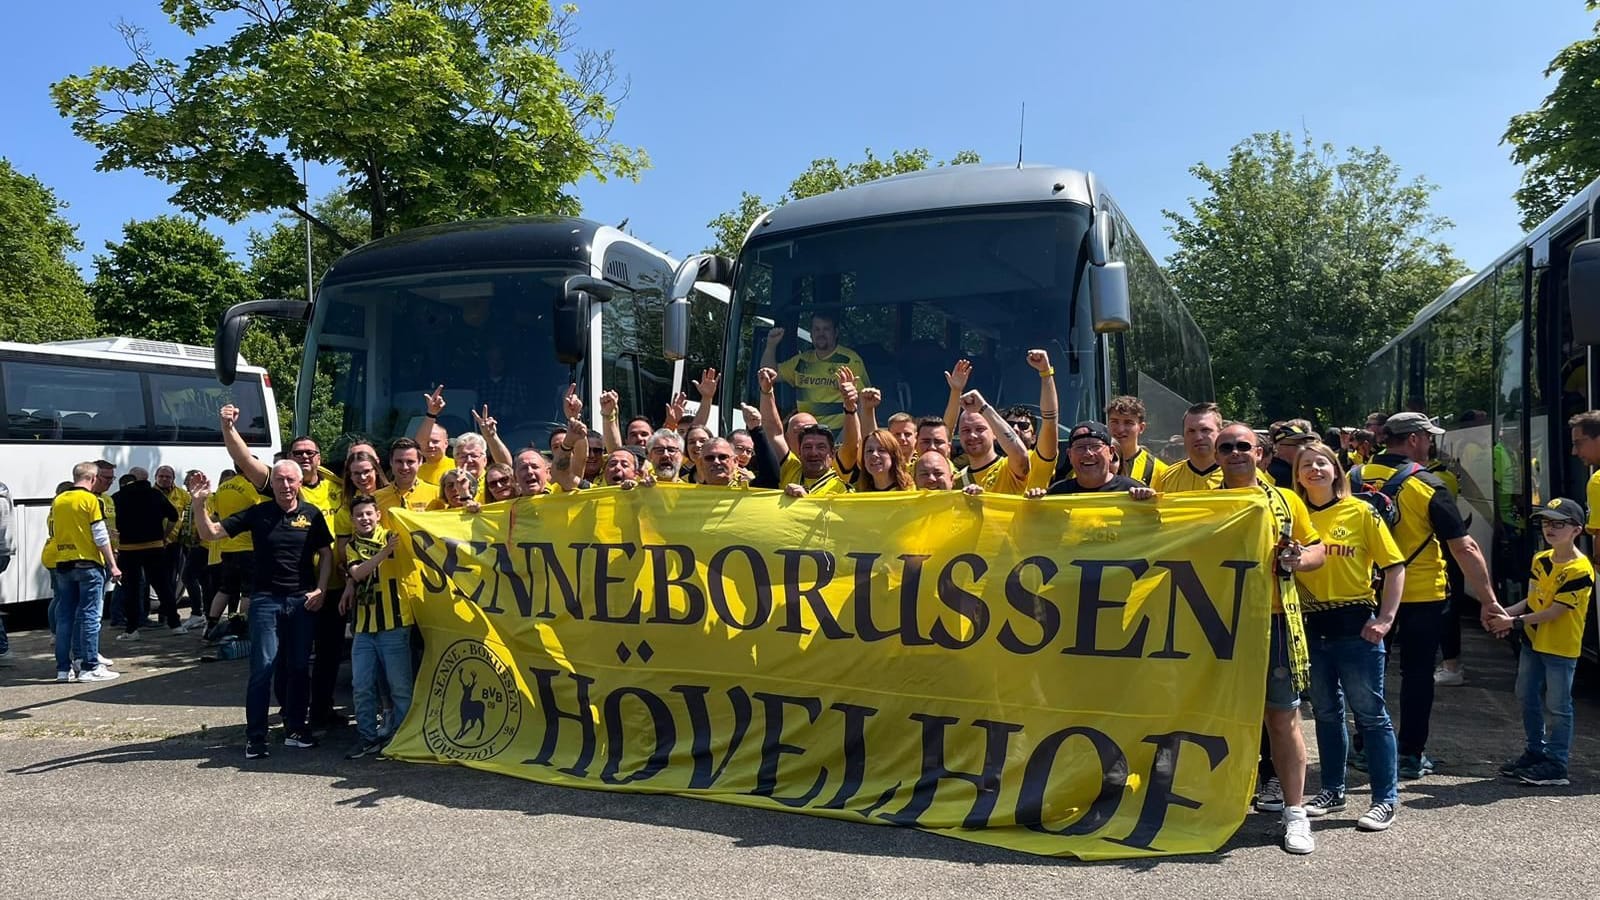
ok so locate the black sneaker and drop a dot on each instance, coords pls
(256, 750)
(365, 748)
(1545, 773)
(1326, 801)
(1524, 761)
(301, 739)
(1378, 818)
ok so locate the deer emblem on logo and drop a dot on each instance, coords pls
(471, 709)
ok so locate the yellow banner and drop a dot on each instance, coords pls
(1076, 676)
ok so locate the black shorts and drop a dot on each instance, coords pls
(236, 573)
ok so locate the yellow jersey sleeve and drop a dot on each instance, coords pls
(1594, 499)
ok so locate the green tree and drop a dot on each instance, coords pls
(169, 279)
(822, 176)
(1559, 142)
(42, 296)
(431, 110)
(1298, 265)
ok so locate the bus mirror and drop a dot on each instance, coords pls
(701, 267)
(230, 331)
(569, 320)
(1109, 302)
(1583, 292)
(675, 329)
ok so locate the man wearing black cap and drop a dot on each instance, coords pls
(1429, 523)
(1089, 446)
(1288, 437)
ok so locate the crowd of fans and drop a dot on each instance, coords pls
(1372, 556)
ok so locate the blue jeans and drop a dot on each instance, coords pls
(280, 634)
(79, 594)
(1544, 686)
(386, 655)
(1350, 669)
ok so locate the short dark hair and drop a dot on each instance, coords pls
(1587, 422)
(361, 500)
(645, 419)
(1018, 412)
(823, 431)
(931, 422)
(832, 318)
(306, 437)
(401, 444)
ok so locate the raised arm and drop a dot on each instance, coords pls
(365, 569)
(1049, 435)
(867, 411)
(1016, 450)
(576, 448)
(769, 353)
(957, 379)
(706, 387)
(675, 410)
(770, 418)
(610, 429)
(849, 447)
(254, 470)
(435, 403)
(204, 525)
(490, 429)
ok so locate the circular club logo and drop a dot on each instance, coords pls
(474, 707)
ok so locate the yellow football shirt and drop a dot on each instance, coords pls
(1355, 540)
(1570, 584)
(382, 600)
(816, 390)
(236, 495)
(1185, 477)
(431, 472)
(72, 517)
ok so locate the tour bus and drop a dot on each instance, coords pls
(1501, 360)
(502, 312)
(980, 262)
(129, 401)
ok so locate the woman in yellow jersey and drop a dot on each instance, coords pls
(884, 465)
(1345, 626)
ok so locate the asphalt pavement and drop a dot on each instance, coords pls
(138, 787)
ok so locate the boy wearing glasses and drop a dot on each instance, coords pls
(1550, 623)
(382, 645)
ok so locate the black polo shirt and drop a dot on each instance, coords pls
(286, 544)
(1115, 483)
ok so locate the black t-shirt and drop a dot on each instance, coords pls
(1281, 472)
(286, 544)
(1115, 483)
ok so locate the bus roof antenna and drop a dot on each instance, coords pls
(1022, 122)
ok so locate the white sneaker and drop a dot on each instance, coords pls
(1297, 837)
(1443, 677)
(66, 677)
(104, 663)
(108, 675)
(129, 636)
(191, 623)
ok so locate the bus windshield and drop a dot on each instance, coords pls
(905, 298)
(378, 346)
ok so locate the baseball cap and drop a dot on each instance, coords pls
(1088, 431)
(1411, 423)
(1562, 510)
(1291, 431)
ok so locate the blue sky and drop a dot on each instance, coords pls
(733, 96)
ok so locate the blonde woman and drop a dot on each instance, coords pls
(1345, 625)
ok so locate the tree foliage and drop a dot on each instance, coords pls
(169, 279)
(431, 110)
(1559, 142)
(1298, 265)
(42, 296)
(822, 176)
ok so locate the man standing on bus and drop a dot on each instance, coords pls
(813, 372)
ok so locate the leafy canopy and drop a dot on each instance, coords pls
(41, 294)
(1298, 265)
(169, 279)
(822, 176)
(1559, 142)
(430, 110)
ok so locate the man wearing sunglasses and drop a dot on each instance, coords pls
(1299, 549)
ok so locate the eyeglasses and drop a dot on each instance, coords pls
(306, 453)
(1087, 446)
(1227, 447)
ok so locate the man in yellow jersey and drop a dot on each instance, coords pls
(982, 430)
(532, 473)
(382, 645)
(83, 555)
(784, 443)
(235, 553)
(1586, 447)
(664, 455)
(434, 439)
(715, 467)
(818, 476)
(407, 490)
(813, 372)
(933, 471)
(166, 482)
(1430, 523)
(293, 564)
(1125, 419)
(1202, 423)
(1299, 549)
(932, 434)
(105, 478)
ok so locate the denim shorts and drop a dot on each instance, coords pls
(1280, 677)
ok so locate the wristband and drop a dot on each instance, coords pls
(1518, 625)
(430, 415)
(612, 416)
(1048, 372)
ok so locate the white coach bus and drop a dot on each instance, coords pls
(129, 401)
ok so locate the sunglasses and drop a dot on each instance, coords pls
(1227, 447)
(499, 482)
(1021, 426)
(305, 453)
(716, 457)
